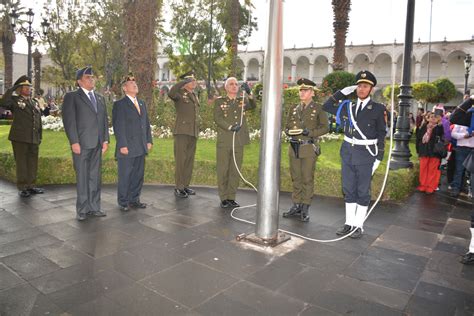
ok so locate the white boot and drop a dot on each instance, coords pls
(471, 246)
(360, 216)
(351, 214)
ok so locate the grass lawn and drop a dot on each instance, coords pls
(56, 163)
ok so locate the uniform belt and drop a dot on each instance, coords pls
(364, 142)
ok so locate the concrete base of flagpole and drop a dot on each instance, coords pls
(254, 239)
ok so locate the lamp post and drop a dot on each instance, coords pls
(467, 66)
(401, 152)
(28, 31)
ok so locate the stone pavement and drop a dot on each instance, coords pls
(179, 257)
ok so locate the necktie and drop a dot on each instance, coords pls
(359, 109)
(136, 105)
(93, 100)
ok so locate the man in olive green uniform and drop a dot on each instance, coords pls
(306, 122)
(25, 134)
(186, 131)
(227, 115)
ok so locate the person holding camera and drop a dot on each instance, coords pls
(185, 132)
(306, 122)
(25, 134)
(229, 115)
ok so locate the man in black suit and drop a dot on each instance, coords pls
(362, 149)
(133, 134)
(86, 125)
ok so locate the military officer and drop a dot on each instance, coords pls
(306, 122)
(362, 149)
(228, 112)
(25, 134)
(186, 131)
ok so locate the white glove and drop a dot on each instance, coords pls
(375, 166)
(348, 90)
(472, 96)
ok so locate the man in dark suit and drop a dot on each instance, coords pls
(186, 132)
(25, 134)
(133, 134)
(362, 149)
(86, 125)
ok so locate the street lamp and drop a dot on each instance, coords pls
(467, 66)
(28, 31)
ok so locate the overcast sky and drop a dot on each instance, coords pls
(309, 22)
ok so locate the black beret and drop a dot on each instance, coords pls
(23, 81)
(189, 74)
(84, 71)
(367, 77)
(305, 84)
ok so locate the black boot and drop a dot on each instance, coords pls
(304, 217)
(294, 210)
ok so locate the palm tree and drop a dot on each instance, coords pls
(341, 10)
(8, 38)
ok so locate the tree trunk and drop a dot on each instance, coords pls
(141, 21)
(341, 10)
(7, 47)
(37, 70)
(234, 10)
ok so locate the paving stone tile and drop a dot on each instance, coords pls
(458, 228)
(233, 260)
(189, 283)
(410, 236)
(26, 244)
(89, 290)
(50, 216)
(265, 301)
(276, 273)
(449, 281)
(424, 307)
(447, 297)
(20, 235)
(306, 285)
(62, 231)
(315, 310)
(30, 264)
(349, 305)
(141, 301)
(395, 256)
(140, 232)
(392, 275)
(25, 300)
(320, 262)
(452, 244)
(184, 220)
(130, 217)
(445, 263)
(221, 305)
(423, 224)
(162, 225)
(8, 278)
(63, 255)
(100, 306)
(370, 292)
(10, 223)
(403, 247)
(224, 228)
(467, 272)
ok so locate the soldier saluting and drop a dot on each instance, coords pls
(306, 122)
(25, 134)
(362, 149)
(185, 132)
(228, 111)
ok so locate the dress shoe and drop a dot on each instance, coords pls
(123, 208)
(468, 258)
(81, 217)
(36, 191)
(225, 204)
(98, 214)
(180, 193)
(232, 203)
(24, 193)
(294, 210)
(189, 191)
(357, 234)
(138, 205)
(344, 230)
(304, 216)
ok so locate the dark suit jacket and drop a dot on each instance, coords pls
(82, 123)
(26, 125)
(132, 130)
(371, 121)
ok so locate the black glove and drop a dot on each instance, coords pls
(235, 128)
(245, 86)
(305, 132)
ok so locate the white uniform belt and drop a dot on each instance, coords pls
(364, 142)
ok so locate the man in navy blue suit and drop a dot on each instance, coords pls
(133, 134)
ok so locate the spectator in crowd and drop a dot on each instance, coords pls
(465, 143)
(419, 117)
(412, 123)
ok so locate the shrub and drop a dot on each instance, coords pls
(446, 90)
(337, 80)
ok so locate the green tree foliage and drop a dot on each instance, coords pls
(337, 80)
(424, 91)
(387, 93)
(446, 91)
(189, 36)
